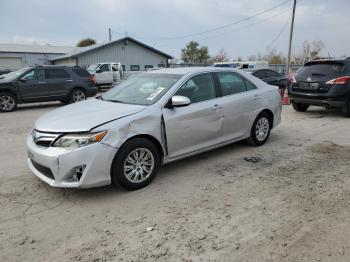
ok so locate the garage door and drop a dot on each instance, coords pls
(10, 63)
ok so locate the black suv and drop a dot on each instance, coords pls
(323, 83)
(45, 83)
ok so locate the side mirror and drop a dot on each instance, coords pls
(178, 101)
(23, 79)
(98, 71)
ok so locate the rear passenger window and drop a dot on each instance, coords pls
(231, 83)
(198, 88)
(260, 74)
(56, 73)
(249, 85)
(81, 72)
(271, 73)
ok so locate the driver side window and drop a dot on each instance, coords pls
(199, 88)
(30, 75)
(104, 68)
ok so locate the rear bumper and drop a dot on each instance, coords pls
(329, 102)
(91, 91)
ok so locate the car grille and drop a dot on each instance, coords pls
(44, 139)
(46, 171)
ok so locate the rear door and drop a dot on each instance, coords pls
(30, 86)
(56, 80)
(240, 99)
(198, 125)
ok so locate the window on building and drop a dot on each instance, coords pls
(231, 83)
(147, 67)
(134, 68)
(56, 73)
(123, 66)
(161, 65)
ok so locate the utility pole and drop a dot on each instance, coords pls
(110, 34)
(290, 38)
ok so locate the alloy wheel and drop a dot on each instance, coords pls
(138, 165)
(262, 129)
(78, 95)
(7, 103)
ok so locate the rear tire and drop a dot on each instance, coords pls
(77, 95)
(8, 102)
(299, 107)
(347, 108)
(261, 129)
(136, 164)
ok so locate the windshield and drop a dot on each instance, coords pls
(92, 67)
(143, 89)
(13, 75)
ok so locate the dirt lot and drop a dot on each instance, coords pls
(292, 205)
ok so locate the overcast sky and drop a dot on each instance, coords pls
(64, 22)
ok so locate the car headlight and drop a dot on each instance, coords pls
(72, 141)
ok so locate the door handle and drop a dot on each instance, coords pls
(215, 107)
(41, 82)
(69, 80)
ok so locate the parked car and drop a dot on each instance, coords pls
(4, 72)
(45, 83)
(151, 119)
(323, 83)
(106, 73)
(271, 77)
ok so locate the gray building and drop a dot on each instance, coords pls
(132, 54)
(14, 56)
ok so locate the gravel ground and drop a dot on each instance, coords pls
(291, 204)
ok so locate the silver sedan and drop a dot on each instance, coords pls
(151, 119)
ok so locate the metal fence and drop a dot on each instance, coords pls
(281, 68)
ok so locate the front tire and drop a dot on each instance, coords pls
(299, 107)
(8, 102)
(261, 129)
(136, 164)
(77, 95)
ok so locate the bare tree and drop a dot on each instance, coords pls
(221, 56)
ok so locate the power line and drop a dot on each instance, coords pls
(280, 33)
(219, 27)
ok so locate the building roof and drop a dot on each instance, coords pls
(46, 49)
(83, 50)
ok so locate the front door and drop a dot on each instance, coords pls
(105, 74)
(198, 125)
(31, 87)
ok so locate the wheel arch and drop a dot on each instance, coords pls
(269, 113)
(151, 139)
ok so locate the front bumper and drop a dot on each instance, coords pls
(55, 166)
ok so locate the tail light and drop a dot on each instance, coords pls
(92, 79)
(338, 81)
(291, 78)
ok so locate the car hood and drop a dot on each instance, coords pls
(84, 116)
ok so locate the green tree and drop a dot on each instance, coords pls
(86, 42)
(193, 53)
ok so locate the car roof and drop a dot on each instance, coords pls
(192, 70)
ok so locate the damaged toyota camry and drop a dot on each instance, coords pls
(154, 118)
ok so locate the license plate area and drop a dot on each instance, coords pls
(309, 86)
